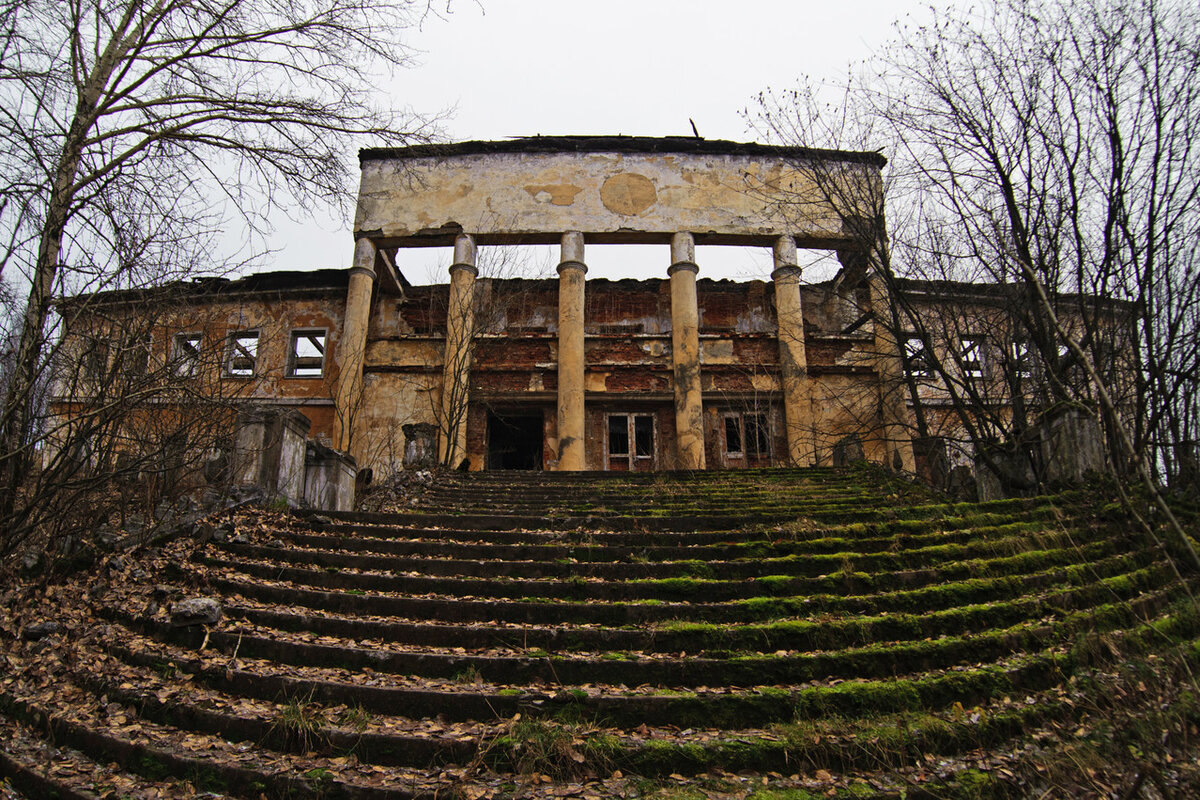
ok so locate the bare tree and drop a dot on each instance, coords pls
(129, 130)
(1044, 144)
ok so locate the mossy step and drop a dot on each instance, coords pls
(633, 505)
(600, 547)
(259, 561)
(724, 601)
(734, 748)
(846, 578)
(359, 602)
(694, 670)
(791, 531)
(686, 522)
(719, 708)
(747, 604)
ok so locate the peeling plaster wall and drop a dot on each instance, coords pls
(522, 194)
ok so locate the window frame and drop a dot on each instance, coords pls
(1022, 363)
(914, 356)
(972, 344)
(230, 348)
(738, 418)
(193, 362)
(631, 456)
(293, 358)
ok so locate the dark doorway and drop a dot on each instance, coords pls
(514, 441)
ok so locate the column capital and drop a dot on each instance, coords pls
(572, 246)
(785, 272)
(784, 251)
(683, 248)
(464, 249)
(364, 256)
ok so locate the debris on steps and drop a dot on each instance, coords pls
(766, 633)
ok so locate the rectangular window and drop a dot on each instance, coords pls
(733, 435)
(747, 435)
(95, 358)
(971, 353)
(618, 435)
(185, 354)
(643, 436)
(135, 356)
(242, 354)
(631, 441)
(916, 358)
(1021, 365)
(758, 435)
(306, 355)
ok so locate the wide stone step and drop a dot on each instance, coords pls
(779, 596)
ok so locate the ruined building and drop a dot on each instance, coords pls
(671, 372)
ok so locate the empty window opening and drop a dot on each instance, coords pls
(135, 356)
(971, 353)
(916, 358)
(747, 435)
(243, 354)
(95, 358)
(515, 441)
(185, 354)
(1021, 365)
(306, 355)
(631, 444)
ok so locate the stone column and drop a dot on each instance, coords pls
(456, 369)
(571, 271)
(889, 367)
(685, 353)
(793, 362)
(353, 344)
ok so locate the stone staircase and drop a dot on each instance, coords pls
(523, 634)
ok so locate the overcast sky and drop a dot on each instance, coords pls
(637, 67)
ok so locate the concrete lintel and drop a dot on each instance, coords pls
(446, 239)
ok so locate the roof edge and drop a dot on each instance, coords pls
(615, 144)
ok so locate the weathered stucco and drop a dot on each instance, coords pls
(610, 196)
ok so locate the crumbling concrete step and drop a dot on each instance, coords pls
(798, 636)
(817, 697)
(817, 576)
(771, 598)
(751, 565)
(532, 545)
(154, 750)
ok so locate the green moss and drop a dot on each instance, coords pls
(695, 569)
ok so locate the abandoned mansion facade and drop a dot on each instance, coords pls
(570, 373)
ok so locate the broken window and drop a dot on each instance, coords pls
(733, 435)
(185, 354)
(971, 353)
(306, 356)
(758, 439)
(95, 358)
(747, 435)
(916, 358)
(135, 356)
(242, 354)
(618, 435)
(631, 429)
(1021, 365)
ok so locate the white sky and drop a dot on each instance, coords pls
(637, 67)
